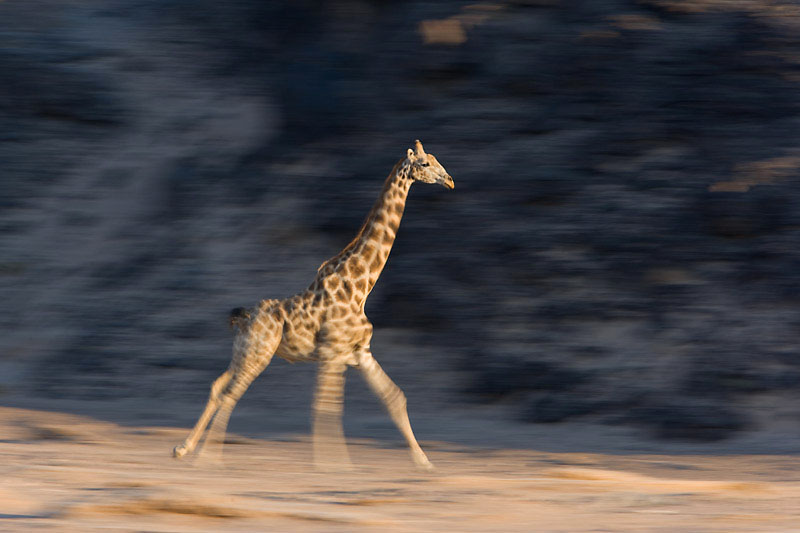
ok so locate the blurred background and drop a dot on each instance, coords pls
(621, 247)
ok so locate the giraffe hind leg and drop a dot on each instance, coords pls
(211, 407)
(213, 444)
(256, 340)
(253, 351)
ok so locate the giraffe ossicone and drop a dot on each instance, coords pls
(325, 324)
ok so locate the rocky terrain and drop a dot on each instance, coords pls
(620, 248)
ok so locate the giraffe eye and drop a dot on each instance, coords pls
(425, 164)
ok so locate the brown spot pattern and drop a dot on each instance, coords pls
(326, 323)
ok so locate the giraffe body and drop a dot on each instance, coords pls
(325, 324)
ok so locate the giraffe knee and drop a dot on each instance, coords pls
(226, 406)
(219, 384)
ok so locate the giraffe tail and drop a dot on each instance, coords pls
(238, 318)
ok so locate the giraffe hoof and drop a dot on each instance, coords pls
(179, 451)
(428, 467)
(424, 465)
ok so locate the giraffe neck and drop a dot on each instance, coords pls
(367, 254)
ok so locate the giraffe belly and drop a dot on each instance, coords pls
(294, 348)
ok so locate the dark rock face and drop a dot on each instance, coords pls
(624, 225)
(692, 421)
(504, 376)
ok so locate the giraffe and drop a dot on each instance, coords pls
(325, 324)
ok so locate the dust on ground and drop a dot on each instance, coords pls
(74, 473)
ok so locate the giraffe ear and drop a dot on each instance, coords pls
(418, 148)
(411, 155)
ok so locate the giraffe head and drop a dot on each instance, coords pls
(425, 168)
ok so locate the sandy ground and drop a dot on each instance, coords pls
(61, 472)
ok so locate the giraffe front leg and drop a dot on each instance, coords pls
(211, 407)
(330, 449)
(395, 402)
